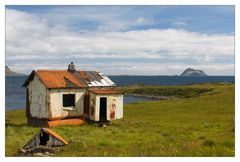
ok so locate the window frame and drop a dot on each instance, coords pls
(69, 107)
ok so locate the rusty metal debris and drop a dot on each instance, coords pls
(39, 151)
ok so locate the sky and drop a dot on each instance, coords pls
(121, 40)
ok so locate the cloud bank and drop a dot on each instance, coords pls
(32, 41)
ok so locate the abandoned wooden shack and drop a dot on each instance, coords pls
(60, 97)
(45, 137)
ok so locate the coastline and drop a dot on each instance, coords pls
(152, 96)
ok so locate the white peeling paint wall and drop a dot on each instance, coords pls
(38, 98)
(56, 103)
(114, 106)
(92, 106)
(119, 111)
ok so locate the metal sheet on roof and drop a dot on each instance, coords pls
(108, 80)
(98, 79)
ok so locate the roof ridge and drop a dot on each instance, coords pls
(67, 71)
(83, 79)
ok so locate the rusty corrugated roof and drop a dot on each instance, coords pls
(59, 79)
(66, 79)
(105, 91)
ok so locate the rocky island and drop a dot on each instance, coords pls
(193, 72)
(9, 72)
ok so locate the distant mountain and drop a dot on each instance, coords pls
(193, 72)
(9, 72)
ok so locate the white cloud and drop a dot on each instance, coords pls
(123, 68)
(29, 37)
(179, 23)
(144, 21)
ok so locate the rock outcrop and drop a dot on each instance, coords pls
(9, 72)
(193, 72)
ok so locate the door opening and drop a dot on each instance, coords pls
(44, 138)
(103, 109)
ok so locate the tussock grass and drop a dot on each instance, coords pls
(175, 91)
(194, 126)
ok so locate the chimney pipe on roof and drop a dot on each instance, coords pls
(71, 68)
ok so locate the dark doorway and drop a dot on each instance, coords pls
(103, 109)
(44, 137)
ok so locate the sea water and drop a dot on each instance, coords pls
(16, 96)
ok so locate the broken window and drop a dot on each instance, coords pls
(68, 100)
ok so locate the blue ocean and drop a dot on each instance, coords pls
(15, 93)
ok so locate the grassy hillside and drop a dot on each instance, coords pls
(200, 125)
(168, 91)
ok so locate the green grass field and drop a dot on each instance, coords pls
(194, 125)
